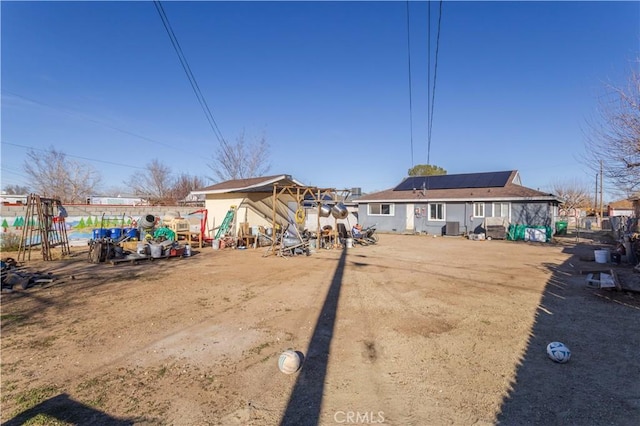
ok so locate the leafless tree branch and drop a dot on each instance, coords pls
(614, 137)
(240, 160)
(53, 175)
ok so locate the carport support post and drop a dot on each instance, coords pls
(274, 236)
(319, 202)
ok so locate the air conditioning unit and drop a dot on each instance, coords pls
(452, 228)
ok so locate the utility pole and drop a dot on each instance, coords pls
(595, 199)
(601, 206)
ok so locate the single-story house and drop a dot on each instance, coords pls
(269, 201)
(458, 204)
(620, 208)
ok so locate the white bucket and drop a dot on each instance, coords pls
(349, 242)
(215, 244)
(156, 250)
(602, 256)
(141, 249)
(187, 250)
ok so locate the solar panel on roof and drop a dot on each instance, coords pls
(468, 180)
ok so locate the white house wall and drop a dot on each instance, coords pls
(621, 212)
(217, 206)
(255, 208)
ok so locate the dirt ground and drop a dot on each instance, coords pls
(412, 331)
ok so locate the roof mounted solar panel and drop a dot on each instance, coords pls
(467, 180)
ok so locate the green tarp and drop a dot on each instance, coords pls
(165, 233)
(518, 232)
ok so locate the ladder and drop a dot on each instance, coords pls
(43, 226)
(226, 223)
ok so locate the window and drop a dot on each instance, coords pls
(478, 209)
(501, 210)
(381, 209)
(436, 211)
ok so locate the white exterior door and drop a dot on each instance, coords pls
(410, 218)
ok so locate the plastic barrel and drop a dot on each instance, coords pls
(115, 233)
(132, 233)
(99, 233)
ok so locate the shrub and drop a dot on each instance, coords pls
(9, 242)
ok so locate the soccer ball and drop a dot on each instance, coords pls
(289, 362)
(558, 352)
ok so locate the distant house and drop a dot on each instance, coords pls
(620, 208)
(118, 200)
(457, 204)
(9, 199)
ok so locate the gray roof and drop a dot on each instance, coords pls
(255, 184)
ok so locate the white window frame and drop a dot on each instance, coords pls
(444, 212)
(502, 205)
(478, 209)
(392, 209)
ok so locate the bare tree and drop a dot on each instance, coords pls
(575, 195)
(241, 160)
(614, 138)
(154, 183)
(184, 184)
(53, 175)
(16, 190)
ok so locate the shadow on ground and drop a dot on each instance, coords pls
(601, 382)
(73, 275)
(305, 401)
(64, 409)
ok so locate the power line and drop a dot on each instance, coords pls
(410, 84)
(432, 95)
(93, 120)
(428, 80)
(11, 171)
(75, 156)
(187, 70)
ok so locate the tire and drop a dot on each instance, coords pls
(95, 252)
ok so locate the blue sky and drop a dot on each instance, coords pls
(327, 84)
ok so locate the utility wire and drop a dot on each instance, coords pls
(433, 95)
(4, 142)
(428, 80)
(187, 70)
(93, 120)
(410, 84)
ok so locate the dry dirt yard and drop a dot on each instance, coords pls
(412, 331)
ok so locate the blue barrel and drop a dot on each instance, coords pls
(116, 233)
(99, 233)
(132, 233)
